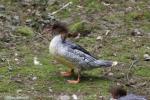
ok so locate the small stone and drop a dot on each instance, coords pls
(146, 57)
(50, 16)
(50, 2)
(133, 1)
(26, 2)
(122, 73)
(3, 16)
(101, 97)
(129, 9)
(79, 6)
(105, 4)
(132, 82)
(110, 74)
(34, 78)
(37, 13)
(118, 84)
(3, 59)
(16, 97)
(18, 80)
(99, 38)
(19, 91)
(136, 32)
(36, 62)
(115, 54)
(147, 47)
(32, 88)
(15, 20)
(28, 20)
(74, 97)
(2, 8)
(64, 97)
(29, 10)
(133, 40)
(16, 54)
(90, 79)
(16, 59)
(50, 89)
(112, 99)
(16, 17)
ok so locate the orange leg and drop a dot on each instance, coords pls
(74, 81)
(67, 74)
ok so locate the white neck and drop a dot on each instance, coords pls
(55, 43)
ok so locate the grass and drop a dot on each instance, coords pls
(24, 31)
(116, 46)
(143, 71)
(47, 76)
(92, 84)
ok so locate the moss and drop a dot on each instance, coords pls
(24, 31)
(64, 14)
(80, 26)
(147, 15)
(143, 71)
(93, 5)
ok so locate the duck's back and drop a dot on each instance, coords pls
(132, 97)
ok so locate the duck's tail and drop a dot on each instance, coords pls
(105, 63)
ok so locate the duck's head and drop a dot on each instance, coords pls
(118, 92)
(58, 28)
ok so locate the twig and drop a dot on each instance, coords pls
(66, 5)
(132, 64)
(107, 32)
(8, 63)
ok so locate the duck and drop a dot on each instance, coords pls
(119, 93)
(72, 55)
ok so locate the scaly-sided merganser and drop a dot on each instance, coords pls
(73, 55)
(118, 93)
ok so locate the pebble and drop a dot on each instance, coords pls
(110, 74)
(37, 13)
(99, 38)
(34, 78)
(16, 97)
(26, 2)
(146, 57)
(19, 91)
(36, 62)
(136, 32)
(2, 8)
(129, 9)
(50, 89)
(101, 97)
(16, 54)
(132, 82)
(16, 59)
(16, 20)
(64, 97)
(74, 97)
(118, 84)
(29, 22)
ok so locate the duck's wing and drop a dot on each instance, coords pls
(79, 55)
(84, 60)
(77, 47)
